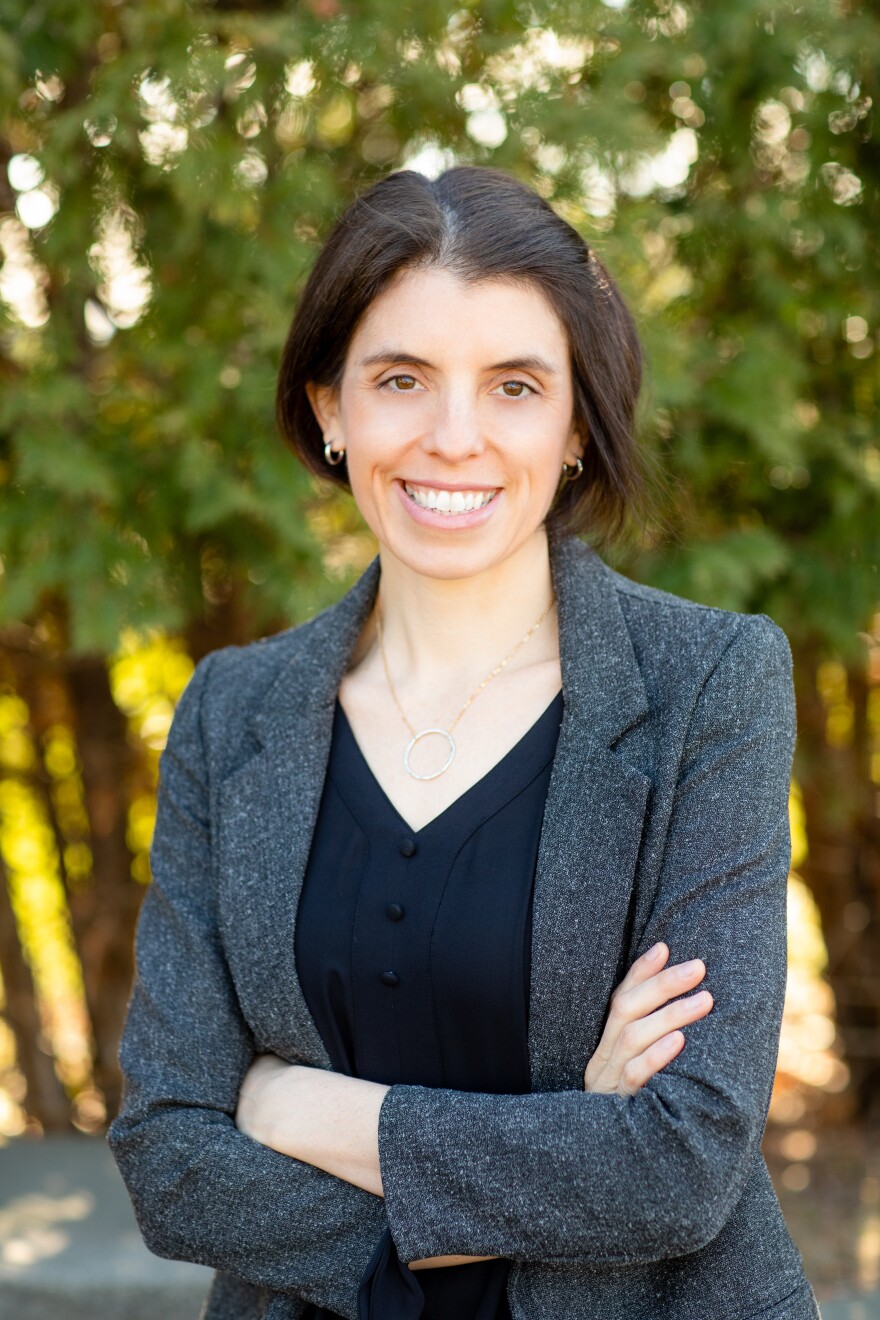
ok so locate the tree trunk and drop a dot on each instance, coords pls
(842, 869)
(46, 1099)
(104, 912)
(225, 620)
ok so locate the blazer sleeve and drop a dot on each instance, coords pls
(202, 1190)
(568, 1175)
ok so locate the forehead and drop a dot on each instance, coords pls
(442, 318)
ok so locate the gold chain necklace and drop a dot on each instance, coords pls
(447, 733)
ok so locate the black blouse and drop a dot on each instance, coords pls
(413, 949)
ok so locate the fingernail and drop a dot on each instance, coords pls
(693, 966)
(655, 951)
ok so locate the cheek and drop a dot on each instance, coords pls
(537, 455)
(370, 453)
(370, 466)
(364, 440)
(376, 430)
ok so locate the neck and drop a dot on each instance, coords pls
(437, 629)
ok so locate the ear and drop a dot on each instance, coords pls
(325, 405)
(576, 445)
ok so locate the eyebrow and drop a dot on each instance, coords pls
(529, 363)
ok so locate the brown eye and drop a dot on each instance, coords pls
(516, 389)
(402, 383)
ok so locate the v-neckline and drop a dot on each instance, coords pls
(481, 789)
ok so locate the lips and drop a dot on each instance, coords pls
(449, 502)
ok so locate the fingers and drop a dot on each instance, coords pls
(638, 1071)
(649, 990)
(641, 1035)
(648, 965)
(643, 1031)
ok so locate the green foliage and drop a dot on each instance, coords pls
(720, 157)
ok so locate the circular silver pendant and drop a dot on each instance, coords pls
(418, 738)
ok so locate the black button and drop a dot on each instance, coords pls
(407, 847)
(394, 912)
(389, 978)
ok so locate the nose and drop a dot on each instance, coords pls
(456, 434)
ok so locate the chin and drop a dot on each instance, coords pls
(462, 557)
(447, 563)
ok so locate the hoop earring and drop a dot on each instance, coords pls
(573, 472)
(333, 456)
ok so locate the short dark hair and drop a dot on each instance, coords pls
(481, 224)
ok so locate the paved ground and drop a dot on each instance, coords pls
(854, 1308)
(70, 1248)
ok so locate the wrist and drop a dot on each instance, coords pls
(331, 1121)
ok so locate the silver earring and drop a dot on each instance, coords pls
(571, 473)
(333, 456)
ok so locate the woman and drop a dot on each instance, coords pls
(434, 871)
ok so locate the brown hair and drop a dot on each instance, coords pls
(481, 224)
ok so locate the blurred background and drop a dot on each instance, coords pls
(167, 171)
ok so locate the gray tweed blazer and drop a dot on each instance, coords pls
(666, 819)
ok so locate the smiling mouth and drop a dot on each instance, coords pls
(450, 502)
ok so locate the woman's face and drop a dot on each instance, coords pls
(455, 412)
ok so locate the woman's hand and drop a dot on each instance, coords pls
(442, 1262)
(638, 1041)
(260, 1090)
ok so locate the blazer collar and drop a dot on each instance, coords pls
(601, 679)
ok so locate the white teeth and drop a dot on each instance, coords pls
(448, 502)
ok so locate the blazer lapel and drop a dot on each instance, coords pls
(267, 814)
(592, 828)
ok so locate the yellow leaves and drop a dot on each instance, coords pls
(808, 1049)
(673, 281)
(831, 685)
(147, 672)
(39, 902)
(141, 823)
(798, 825)
(147, 677)
(16, 751)
(335, 122)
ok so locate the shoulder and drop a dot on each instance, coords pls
(706, 668)
(677, 642)
(682, 652)
(663, 626)
(229, 686)
(235, 690)
(240, 676)
(709, 672)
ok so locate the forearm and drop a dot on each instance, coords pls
(324, 1119)
(321, 1118)
(596, 1178)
